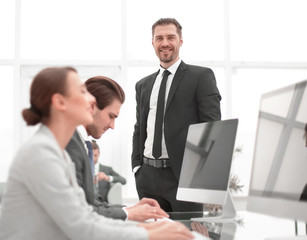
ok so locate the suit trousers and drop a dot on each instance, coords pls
(161, 185)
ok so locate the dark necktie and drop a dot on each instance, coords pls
(90, 155)
(156, 148)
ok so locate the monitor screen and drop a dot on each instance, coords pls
(207, 161)
(279, 173)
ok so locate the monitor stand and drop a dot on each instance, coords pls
(228, 231)
(228, 214)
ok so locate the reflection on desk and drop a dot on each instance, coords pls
(246, 226)
(216, 230)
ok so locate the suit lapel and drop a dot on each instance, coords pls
(76, 136)
(147, 91)
(176, 80)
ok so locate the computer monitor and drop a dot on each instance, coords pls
(279, 172)
(206, 163)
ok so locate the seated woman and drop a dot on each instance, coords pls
(42, 198)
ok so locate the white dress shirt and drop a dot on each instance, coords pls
(83, 135)
(153, 109)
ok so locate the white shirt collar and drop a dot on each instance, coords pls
(82, 133)
(172, 68)
(97, 167)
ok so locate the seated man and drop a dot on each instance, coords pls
(108, 98)
(104, 176)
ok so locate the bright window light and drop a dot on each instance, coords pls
(268, 30)
(7, 29)
(71, 29)
(7, 124)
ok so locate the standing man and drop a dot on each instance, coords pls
(168, 101)
(104, 176)
(109, 98)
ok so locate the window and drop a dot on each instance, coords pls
(7, 29)
(7, 115)
(75, 30)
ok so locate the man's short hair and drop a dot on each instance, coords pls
(95, 145)
(105, 90)
(167, 21)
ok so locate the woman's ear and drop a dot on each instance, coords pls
(58, 101)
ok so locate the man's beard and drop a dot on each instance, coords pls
(166, 59)
(93, 131)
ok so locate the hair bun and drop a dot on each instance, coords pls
(31, 117)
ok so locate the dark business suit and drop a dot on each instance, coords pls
(104, 186)
(78, 155)
(303, 196)
(193, 98)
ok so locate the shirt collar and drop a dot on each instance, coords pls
(172, 68)
(82, 133)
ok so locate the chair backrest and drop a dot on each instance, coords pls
(115, 194)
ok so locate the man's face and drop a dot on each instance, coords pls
(95, 155)
(167, 43)
(103, 119)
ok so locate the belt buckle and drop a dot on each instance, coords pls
(164, 163)
(156, 164)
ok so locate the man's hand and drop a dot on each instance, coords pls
(198, 227)
(101, 176)
(145, 209)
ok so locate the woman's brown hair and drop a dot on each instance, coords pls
(46, 83)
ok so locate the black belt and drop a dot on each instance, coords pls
(157, 163)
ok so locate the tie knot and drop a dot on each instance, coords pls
(166, 73)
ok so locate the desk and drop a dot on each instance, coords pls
(246, 226)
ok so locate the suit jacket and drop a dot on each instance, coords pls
(44, 201)
(303, 196)
(104, 186)
(193, 98)
(78, 154)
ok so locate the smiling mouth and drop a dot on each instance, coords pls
(165, 50)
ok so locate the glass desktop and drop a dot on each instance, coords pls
(246, 226)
